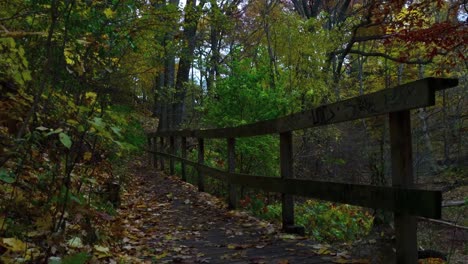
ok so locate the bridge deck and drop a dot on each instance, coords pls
(169, 221)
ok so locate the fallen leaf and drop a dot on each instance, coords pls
(14, 244)
(75, 242)
(324, 251)
(87, 155)
(160, 256)
(288, 236)
(231, 246)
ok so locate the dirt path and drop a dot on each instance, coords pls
(168, 221)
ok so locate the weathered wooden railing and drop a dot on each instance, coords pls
(403, 198)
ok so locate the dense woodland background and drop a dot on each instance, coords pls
(81, 80)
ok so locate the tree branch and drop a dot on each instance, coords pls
(386, 56)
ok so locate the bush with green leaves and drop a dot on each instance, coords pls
(324, 221)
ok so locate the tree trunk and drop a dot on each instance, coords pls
(192, 16)
(166, 78)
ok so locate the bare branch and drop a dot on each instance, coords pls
(384, 55)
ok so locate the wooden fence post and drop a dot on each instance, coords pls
(150, 147)
(161, 160)
(402, 176)
(201, 160)
(184, 156)
(155, 156)
(232, 188)
(172, 150)
(287, 203)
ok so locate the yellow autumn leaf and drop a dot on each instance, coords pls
(101, 251)
(68, 57)
(324, 251)
(91, 96)
(87, 156)
(160, 256)
(14, 244)
(109, 13)
(99, 248)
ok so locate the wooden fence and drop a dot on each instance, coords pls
(403, 198)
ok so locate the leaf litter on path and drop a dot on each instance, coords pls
(165, 220)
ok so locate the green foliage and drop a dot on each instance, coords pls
(13, 62)
(6, 176)
(324, 221)
(243, 97)
(128, 126)
(78, 258)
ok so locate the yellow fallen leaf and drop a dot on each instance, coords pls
(87, 155)
(160, 256)
(231, 246)
(102, 252)
(324, 251)
(14, 244)
(101, 249)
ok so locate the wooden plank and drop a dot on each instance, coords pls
(232, 188)
(402, 176)
(286, 166)
(184, 156)
(201, 161)
(420, 202)
(420, 93)
(172, 150)
(414, 201)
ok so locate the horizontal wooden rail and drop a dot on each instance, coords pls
(420, 93)
(419, 202)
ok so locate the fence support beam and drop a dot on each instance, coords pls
(201, 160)
(161, 160)
(184, 156)
(232, 188)
(287, 200)
(402, 176)
(172, 151)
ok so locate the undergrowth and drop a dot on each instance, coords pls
(324, 221)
